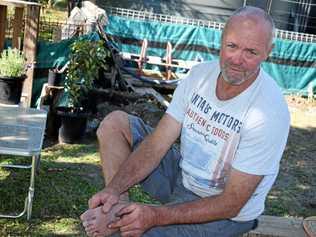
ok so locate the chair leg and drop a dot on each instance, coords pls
(29, 204)
(35, 161)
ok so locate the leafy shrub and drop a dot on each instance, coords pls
(12, 63)
(86, 59)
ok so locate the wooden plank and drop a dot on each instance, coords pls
(3, 20)
(176, 63)
(17, 26)
(18, 3)
(138, 83)
(30, 39)
(273, 226)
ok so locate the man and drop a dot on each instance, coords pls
(233, 123)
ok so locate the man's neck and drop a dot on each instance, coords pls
(227, 91)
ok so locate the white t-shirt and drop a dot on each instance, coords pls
(247, 132)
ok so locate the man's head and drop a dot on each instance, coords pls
(247, 41)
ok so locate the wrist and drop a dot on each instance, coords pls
(160, 216)
(110, 189)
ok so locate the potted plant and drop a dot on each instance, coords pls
(86, 59)
(12, 75)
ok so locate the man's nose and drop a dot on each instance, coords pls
(237, 58)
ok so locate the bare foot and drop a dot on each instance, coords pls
(96, 222)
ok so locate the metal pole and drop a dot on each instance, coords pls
(245, 3)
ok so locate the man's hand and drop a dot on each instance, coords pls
(135, 219)
(106, 197)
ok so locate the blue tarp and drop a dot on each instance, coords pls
(291, 63)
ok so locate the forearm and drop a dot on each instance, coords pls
(199, 211)
(239, 188)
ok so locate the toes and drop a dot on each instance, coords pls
(86, 223)
(91, 228)
(90, 234)
(96, 234)
(84, 216)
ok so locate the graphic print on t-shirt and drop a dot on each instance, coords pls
(210, 137)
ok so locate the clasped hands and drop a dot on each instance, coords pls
(133, 219)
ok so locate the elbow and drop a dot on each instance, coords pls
(233, 208)
(234, 211)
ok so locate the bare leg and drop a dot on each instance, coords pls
(115, 141)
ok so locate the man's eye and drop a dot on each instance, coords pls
(231, 46)
(252, 52)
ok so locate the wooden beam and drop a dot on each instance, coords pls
(17, 27)
(3, 20)
(175, 63)
(274, 226)
(30, 40)
(18, 3)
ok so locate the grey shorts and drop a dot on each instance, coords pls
(165, 185)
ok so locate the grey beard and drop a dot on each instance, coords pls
(237, 83)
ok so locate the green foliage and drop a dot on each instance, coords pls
(86, 59)
(12, 63)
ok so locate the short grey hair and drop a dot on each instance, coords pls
(253, 11)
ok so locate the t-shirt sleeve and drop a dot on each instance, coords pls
(262, 144)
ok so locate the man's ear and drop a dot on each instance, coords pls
(269, 50)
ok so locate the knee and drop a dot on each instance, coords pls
(115, 121)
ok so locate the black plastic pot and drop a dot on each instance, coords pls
(54, 78)
(11, 89)
(73, 125)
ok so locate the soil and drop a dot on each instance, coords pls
(294, 192)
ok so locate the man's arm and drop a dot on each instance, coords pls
(136, 218)
(237, 192)
(147, 156)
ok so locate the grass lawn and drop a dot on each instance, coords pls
(68, 176)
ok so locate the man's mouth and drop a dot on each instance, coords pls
(235, 69)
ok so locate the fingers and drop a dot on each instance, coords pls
(105, 198)
(126, 210)
(94, 201)
(108, 204)
(123, 222)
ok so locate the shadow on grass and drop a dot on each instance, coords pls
(69, 175)
(294, 192)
